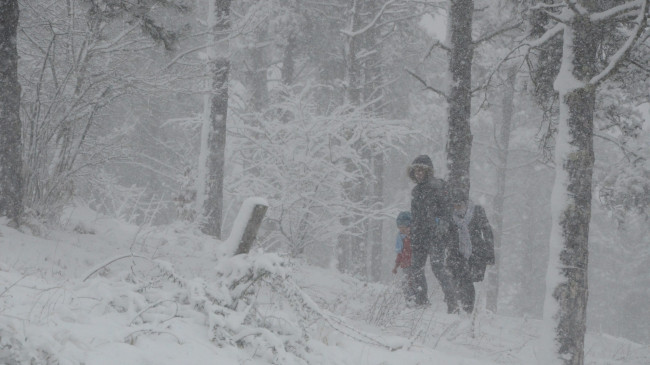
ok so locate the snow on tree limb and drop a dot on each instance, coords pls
(370, 25)
(622, 9)
(548, 35)
(622, 53)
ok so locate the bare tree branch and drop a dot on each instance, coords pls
(437, 44)
(629, 155)
(427, 86)
(496, 33)
(637, 64)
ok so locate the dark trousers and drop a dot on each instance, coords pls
(464, 286)
(408, 284)
(436, 253)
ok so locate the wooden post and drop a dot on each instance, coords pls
(250, 232)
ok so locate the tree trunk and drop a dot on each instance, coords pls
(373, 96)
(352, 63)
(288, 60)
(376, 226)
(11, 183)
(215, 133)
(352, 247)
(257, 70)
(459, 147)
(503, 144)
(565, 305)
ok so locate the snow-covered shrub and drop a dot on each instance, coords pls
(306, 162)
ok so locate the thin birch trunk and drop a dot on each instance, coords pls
(503, 143)
(352, 248)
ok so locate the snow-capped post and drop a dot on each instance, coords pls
(581, 24)
(244, 229)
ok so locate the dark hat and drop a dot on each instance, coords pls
(404, 219)
(422, 160)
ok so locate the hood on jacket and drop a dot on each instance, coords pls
(421, 161)
(403, 219)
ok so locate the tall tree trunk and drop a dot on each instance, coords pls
(503, 144)
(459, 147)
(376, 236)
(352, 62)
(11, 183)
(257, 70)
(373, 96)
(352, 248)
(214, 131)
(565, 305)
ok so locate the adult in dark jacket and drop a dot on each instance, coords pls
(471, 249)
(430, 209)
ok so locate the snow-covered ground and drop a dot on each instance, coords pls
(104, 292)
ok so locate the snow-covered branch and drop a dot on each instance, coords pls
(353, 33)
(548, 35)
(617, 11)
(577, 8)
(541, 6)
(622, 53)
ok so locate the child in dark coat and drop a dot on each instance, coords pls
(403, 249)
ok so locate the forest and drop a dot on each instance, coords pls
(165, 117)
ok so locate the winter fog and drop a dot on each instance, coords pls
(335, 182)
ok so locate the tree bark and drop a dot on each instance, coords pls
(565, 306)
(352, 62)
(257, 70)
(212, 205)
(461, 53)
(503, 144)
(11, 182)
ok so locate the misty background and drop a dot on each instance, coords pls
(113, 104)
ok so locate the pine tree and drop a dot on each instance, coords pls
(581, 72)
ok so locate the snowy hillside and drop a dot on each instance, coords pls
(104, 292)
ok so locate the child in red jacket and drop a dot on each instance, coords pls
(403, 249)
